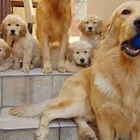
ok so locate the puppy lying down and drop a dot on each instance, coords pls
(6, 61)
(78, 56)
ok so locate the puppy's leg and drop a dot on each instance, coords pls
(105, 130)
(85, 131)
(6, 65)
(36, 63)
(63, 45)
(16, 62)
(61, 110)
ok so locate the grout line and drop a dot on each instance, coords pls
(52, 86)
(59, 129)
(1, 92)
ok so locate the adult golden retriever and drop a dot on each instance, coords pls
(23, 45)
(6, 61)
(109, 90)
(91, 28)
(53, 23)
(78, 56)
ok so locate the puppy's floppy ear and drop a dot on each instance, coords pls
(23, 30)
(99, 27)
(3, 29)
(69, 52)
(81, 26)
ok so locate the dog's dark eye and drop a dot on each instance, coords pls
(85, 51)
(17, 24)
(0, 50)
(9, 24)
(94, 22)
(77, 52)
(86, 22)
(126, 12)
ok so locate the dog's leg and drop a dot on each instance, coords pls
(105, 130)
(135, 135)
(63, 45)
(47, 67)
(85, 131)
(61, 110)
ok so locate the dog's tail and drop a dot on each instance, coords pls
(34, 110)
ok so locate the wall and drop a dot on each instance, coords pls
(103, 8)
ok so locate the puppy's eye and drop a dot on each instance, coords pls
(86, 22)
(126, 12)
(17, 25)
(94, 22)
(0, 50)
(9, 24)
(85, 52)
(77, 52)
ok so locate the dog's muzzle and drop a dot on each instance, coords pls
(131, 47)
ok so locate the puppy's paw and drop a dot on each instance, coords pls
(25, 69)
(41, 134)
(16, 66)
(61, 67)
(47, 68)
(88, 134)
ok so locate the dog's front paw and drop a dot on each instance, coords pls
(41, 134)
(47, 68)
(16, 66)
(88, 134)
(61, 67)
(25, 69)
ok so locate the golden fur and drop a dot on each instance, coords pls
(53, 23)
(6, 61)
(23, 45)
(78, 56)
(91, 28)
(111, 87)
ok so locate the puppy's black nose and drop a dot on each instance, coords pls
(12, 32)
(82, 60)
(137, 23)
(90, 28)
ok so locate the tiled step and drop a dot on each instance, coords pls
(14, 128)
(17, 87)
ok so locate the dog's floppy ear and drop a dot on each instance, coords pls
(99, 27)
(108, 28)
(69, 51)
(81, 26)
(3, 29)
(23, 30)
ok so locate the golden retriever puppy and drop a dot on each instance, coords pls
(91, 28)
(78, 56)
(23, 45)
(53, 23)
(6, 61)
(109, 90)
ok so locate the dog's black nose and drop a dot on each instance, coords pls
(12, 32)
(90, 28)
(137, 23)
(82, 60)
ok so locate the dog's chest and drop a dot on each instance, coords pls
(121, 109)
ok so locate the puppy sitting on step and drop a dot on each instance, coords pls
(23, 45)
(6, 61)
(78, 56)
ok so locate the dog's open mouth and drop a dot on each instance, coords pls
(131, 47)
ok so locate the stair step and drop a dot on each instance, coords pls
(15, 128)
(18, 88)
